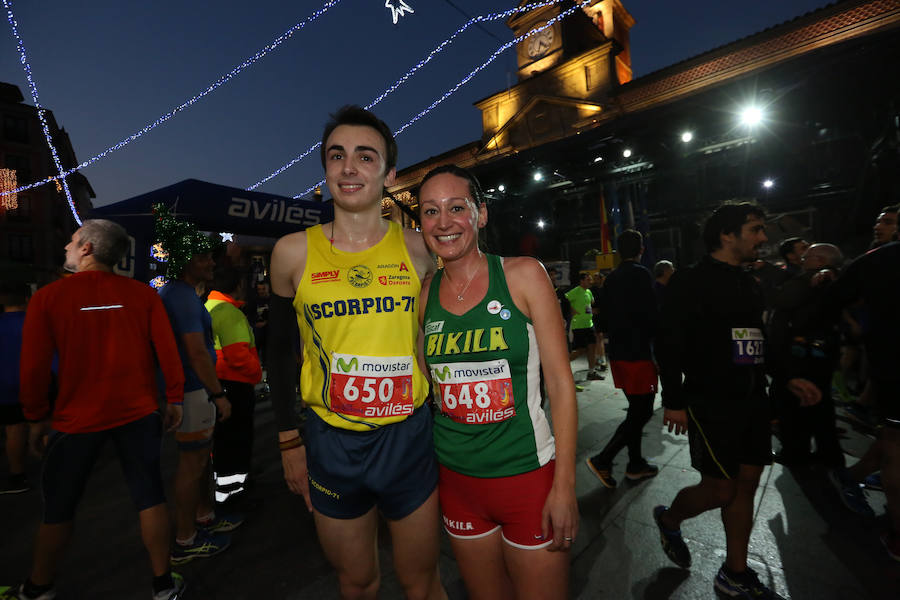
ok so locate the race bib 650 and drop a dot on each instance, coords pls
(371, 386)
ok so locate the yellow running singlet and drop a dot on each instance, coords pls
(359, 321)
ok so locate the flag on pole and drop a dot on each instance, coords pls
(606, 244)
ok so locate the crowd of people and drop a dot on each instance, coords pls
(425, 388)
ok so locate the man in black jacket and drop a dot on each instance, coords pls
(711, 333)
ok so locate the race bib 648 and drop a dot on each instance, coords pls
(475, 392)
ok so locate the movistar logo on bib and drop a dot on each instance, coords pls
(748, 346)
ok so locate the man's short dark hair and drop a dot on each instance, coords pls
(109, 240)
(787, 246)
(14, 294)
(356, 115)
(474, 187)
(629, 244)
(226, 280)
(727, 219)
(584, 275)
(893, 208)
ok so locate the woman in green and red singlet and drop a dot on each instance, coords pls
(507, 488)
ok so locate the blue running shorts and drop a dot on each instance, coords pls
(392, 467)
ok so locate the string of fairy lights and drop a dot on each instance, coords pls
(424, 61)
(42, 117)
(255, 58)
(503, 48)
(184, 105)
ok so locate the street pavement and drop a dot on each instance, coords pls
(804, 542)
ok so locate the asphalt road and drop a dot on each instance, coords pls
(804, 541)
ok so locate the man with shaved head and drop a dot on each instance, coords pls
(803, 345)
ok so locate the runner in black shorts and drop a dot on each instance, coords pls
(711, 334)
(875, 277)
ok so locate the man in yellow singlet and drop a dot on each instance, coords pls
(352, 285)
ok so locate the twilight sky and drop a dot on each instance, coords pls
(107, 68)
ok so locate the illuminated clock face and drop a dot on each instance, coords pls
(539, 43)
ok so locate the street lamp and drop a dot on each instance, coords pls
(540, 223)
(687, 136)
(626, 152)
(751, 116)
(768, 184)
(538, 176)
(501, 187)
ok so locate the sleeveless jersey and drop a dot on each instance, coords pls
(486, 370)
(358, 321)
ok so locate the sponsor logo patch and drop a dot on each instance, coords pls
(359, 276)
(323, 276)
(434, 327)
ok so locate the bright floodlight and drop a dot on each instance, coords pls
(626, 152)
(751, 116)
(538, 175)
(501, 187)
(768, 183)
(687, 136)
(541, 223)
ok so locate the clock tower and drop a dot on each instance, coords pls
(549, 45)
(566, 70)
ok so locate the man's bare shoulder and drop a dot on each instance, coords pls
(288, 262)
(418, 251)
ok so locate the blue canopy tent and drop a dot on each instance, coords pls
(211, 207)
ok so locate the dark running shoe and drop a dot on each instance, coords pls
(595, 375)
(16, 484)
(850, 493)
(205, 545)
(176, 592)
(873, 482)
(743, 585)
(602, 471)
(18, 593)
(642, 470)
(222, 523)
(672, 542)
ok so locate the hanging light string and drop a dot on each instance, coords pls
(439, 48)
(188, 103)
(503, 48)
(32, 86)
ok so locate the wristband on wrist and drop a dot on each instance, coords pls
(290, 444)
(217, 395)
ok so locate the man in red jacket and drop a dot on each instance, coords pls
(109, 332)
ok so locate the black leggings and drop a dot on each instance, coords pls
(640, 409)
